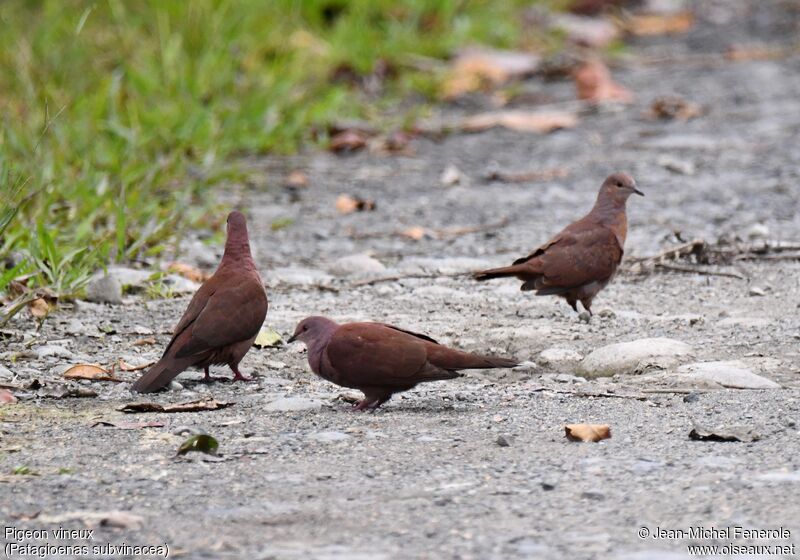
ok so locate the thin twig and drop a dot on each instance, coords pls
(435, 233)
(394, 278)
(697, 270)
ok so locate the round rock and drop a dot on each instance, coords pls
(634, 357)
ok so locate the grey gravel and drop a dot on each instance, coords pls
(423, 477)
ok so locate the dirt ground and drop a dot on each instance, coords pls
(476, 467)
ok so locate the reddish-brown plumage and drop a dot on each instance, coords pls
(581, 260)
(381, 360)
(222, 320)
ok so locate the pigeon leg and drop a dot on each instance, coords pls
(363, 404)
(237, 375)
(379, 401)
(573, 303)
(207, 377)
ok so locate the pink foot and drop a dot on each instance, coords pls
(239, 377)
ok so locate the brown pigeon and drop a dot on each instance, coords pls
(581, 260)
(222, 320)
(381, 360)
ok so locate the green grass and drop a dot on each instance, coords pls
(118, 118)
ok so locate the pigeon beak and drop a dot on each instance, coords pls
(292, 339)
(637, 191)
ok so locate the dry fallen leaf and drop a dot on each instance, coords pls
(396, 142)
(672, 107)
(7, 397)
(188, 271)
(297, 179)
(39, 308)
(540, 122)
(593, 83)
(587, 432)
(348, 141)
(740, 53)
(203, 443)
(496, 174)
(125, 366)
(347, 204)
(144, 341)
(659, 24)
(267, 338)
(193, 406)
(90, 371)
(415, 232)
(476, 68)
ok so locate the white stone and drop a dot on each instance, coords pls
(758, 231)
(732, 374)
(356, 265)
(180, 285)
(329, 437)
(130, 276)
(450, 176)
(453, 265)
(5, 373)
(293, 404)
(298, 276)
(635, 356)
(104, 289)
(556, 356)
(53, 351)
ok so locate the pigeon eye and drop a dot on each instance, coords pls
(305, 327)
(619, 183)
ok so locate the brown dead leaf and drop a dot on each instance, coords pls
(741, 53)
(593, 83)
(478, 68)
(587, 432)
(415, 232)
(192, 406)
(672, 107)
(540, 122)
(125, 366)
(396, 142)
(188, 271)
(502, 176)
(349, 140)
(128, 425)
(144, 341)
(297, 179)
(659, 24)
(347, 204)
(39, 308)
(7, 397)
(92, 372)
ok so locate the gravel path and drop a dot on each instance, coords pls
(477, 467)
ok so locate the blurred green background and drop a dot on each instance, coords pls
(115, 114)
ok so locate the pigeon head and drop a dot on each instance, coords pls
(312, 329)
(236, 222)
(618, 187)
(237, 245)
